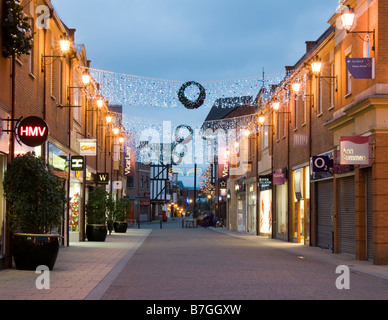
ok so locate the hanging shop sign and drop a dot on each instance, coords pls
(88, 147)
(33, 131)
(102, 178)
(354, 151)
(322, 164)
(361, 68)
(279, 177)
(117, 185)
(77, 163)
(130, 157)
(265, 182)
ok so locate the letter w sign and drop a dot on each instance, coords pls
(102, 178)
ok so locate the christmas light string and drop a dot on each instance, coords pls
(133, 90)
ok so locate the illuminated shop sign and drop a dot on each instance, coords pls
(77, 163)
(102, 178)
(88, 147)
(354, 151)
(33, 131)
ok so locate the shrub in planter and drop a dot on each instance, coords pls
(120, 215)
(37, 199)
(96, 215)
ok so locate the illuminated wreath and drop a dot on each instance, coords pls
(188, 103)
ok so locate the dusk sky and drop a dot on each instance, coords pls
(194, 40)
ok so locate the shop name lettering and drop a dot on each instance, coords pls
(32, 131)
(128, 162)
(88, 148)
(348, 155)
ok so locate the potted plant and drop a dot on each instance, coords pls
(110, 207)
(120, 215)
(96, 208)
(37, 201)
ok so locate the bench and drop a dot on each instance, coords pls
(191, 223)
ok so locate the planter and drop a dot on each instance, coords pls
(96, 232)
(33, 250)
(120, 227)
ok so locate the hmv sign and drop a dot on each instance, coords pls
(33, 131)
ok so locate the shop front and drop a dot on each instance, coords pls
(265, 205)
(301, 205)
(241, 207)
(322, 190)
(58, 160)
(4, 149)
(281, 195)
(251, 207)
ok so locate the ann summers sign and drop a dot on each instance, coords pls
(33, 131)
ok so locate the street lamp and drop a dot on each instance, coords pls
(348, 18)
(100, 103)
(86, 78)
(296, 86)
(316, 65)
(65, 44)
(276, 105)
(109, 119)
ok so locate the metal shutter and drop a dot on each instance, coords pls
(369, 213)
(346, 213)
(325, 227)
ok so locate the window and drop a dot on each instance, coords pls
(332, 86)
(265, 138)
(348, 81)
(129, 182)
(320, 100)
(52, 65)
(141, 182)
(60, 84)
(296, 111)
(304, 111)
(32, 52)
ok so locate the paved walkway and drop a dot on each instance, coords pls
(89, 271)
(81, 270)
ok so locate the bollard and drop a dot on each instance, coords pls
(183, 224)
(138, 224)
(161, 224)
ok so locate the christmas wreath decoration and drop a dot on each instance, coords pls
(188, 103)
(16, 30)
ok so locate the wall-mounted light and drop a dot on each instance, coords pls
(100, 103)
(296, 86)
(316, 65)
(86, 78)
(316, 68)
(65, 44)
(348, 18)
(276, 105)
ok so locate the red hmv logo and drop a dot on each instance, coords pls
(33, 131)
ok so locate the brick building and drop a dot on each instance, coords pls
(48, 83)
(320, 197)
(138, 191)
